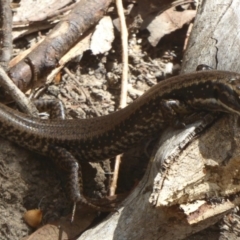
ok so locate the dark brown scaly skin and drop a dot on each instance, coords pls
(103, 137)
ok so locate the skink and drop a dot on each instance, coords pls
(69, 142)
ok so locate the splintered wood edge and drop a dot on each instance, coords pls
(207, 169)
(201, 210)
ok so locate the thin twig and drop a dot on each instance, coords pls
(124, 83)
(19, 97)
(187, 36)
(5, 33)
(124, 38)
(113, 185)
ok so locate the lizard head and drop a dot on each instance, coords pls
(227, 93)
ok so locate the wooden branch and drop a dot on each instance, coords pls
(63, 36)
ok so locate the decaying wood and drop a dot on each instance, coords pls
(200, 184)
(68, 32)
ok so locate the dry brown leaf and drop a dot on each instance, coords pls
(64, 229)
(103, 36)
(167, 22)
(35, 12)
(30, 11)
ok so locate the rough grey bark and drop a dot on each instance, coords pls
(5, 33)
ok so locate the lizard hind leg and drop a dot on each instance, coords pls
(68, 163)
